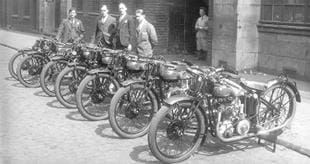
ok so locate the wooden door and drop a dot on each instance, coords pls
(22, 14)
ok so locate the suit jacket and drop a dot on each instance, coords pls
(68, 31)
(104, 30)
(125, 30)
(146, 38)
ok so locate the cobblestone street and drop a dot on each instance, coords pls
(37, 129)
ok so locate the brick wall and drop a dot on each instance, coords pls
(156, 11)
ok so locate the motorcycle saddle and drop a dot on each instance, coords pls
(254, 85)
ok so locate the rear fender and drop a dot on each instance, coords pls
(291, 85)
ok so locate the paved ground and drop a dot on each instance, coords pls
(36, 129)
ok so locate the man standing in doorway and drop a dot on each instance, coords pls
(201, 34)
(125, 29)
(146, 35)
(71, 29)
(104, 28)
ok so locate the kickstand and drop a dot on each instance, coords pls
(271, 138)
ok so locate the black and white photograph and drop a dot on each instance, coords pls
(154, 81)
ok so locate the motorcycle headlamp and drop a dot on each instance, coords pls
(86, 54)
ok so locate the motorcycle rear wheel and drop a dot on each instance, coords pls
(283, 98)
(175, 132)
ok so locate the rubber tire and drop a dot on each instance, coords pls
(292, 95)
(57, 86)
(42, 77)
(79, 92)
(20, 78)
(11, 63)
(113, 107)
(152, 133)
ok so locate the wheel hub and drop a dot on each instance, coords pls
(25, 66)
(175, 130)
(132, 111)
(97, 97)
(73, 86)
(34, 70)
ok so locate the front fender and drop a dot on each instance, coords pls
(132, 81)
(290, 84)
(174, 99)
(98, 71)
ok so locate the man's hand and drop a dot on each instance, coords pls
(129, 47)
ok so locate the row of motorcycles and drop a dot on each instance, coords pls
(176, 103)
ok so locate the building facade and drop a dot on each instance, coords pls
(268, 35)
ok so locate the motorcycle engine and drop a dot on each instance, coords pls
(178, 87)
(229, 105)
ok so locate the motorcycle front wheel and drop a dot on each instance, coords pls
(49, 74)
(94, 95)
(176, 132)
(67, 83)
(12, 66)
(29, 69)
(131, 111)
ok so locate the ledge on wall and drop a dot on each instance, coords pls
(284, 28)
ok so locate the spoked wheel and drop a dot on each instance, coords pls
(29, 69)
(94, 96)
(280, 108)
(49, 74)
(13, 63)
(176, 132)
(131, 111)
(67, 83)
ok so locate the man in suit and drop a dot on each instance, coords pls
(71, 29)
(125, 29)
(104, 28)
(146, 35)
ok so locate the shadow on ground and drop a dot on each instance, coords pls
(75, 116)
(55, 104)
(41, 93)
(210, 148)
(105, 130)
(10, 79)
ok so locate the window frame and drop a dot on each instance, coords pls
(273, 4)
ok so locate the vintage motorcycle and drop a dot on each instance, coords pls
(65, 54)
(228, 107)
(16, 58)
(133, 106)
(69, 78)
(96, 90)
(30, 67)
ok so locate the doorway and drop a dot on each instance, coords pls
(23, 15)
(182, 18)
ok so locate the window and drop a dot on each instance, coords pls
(286, 11)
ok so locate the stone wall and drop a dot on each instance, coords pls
(280, 52)
(248, 15)
(224, 32)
